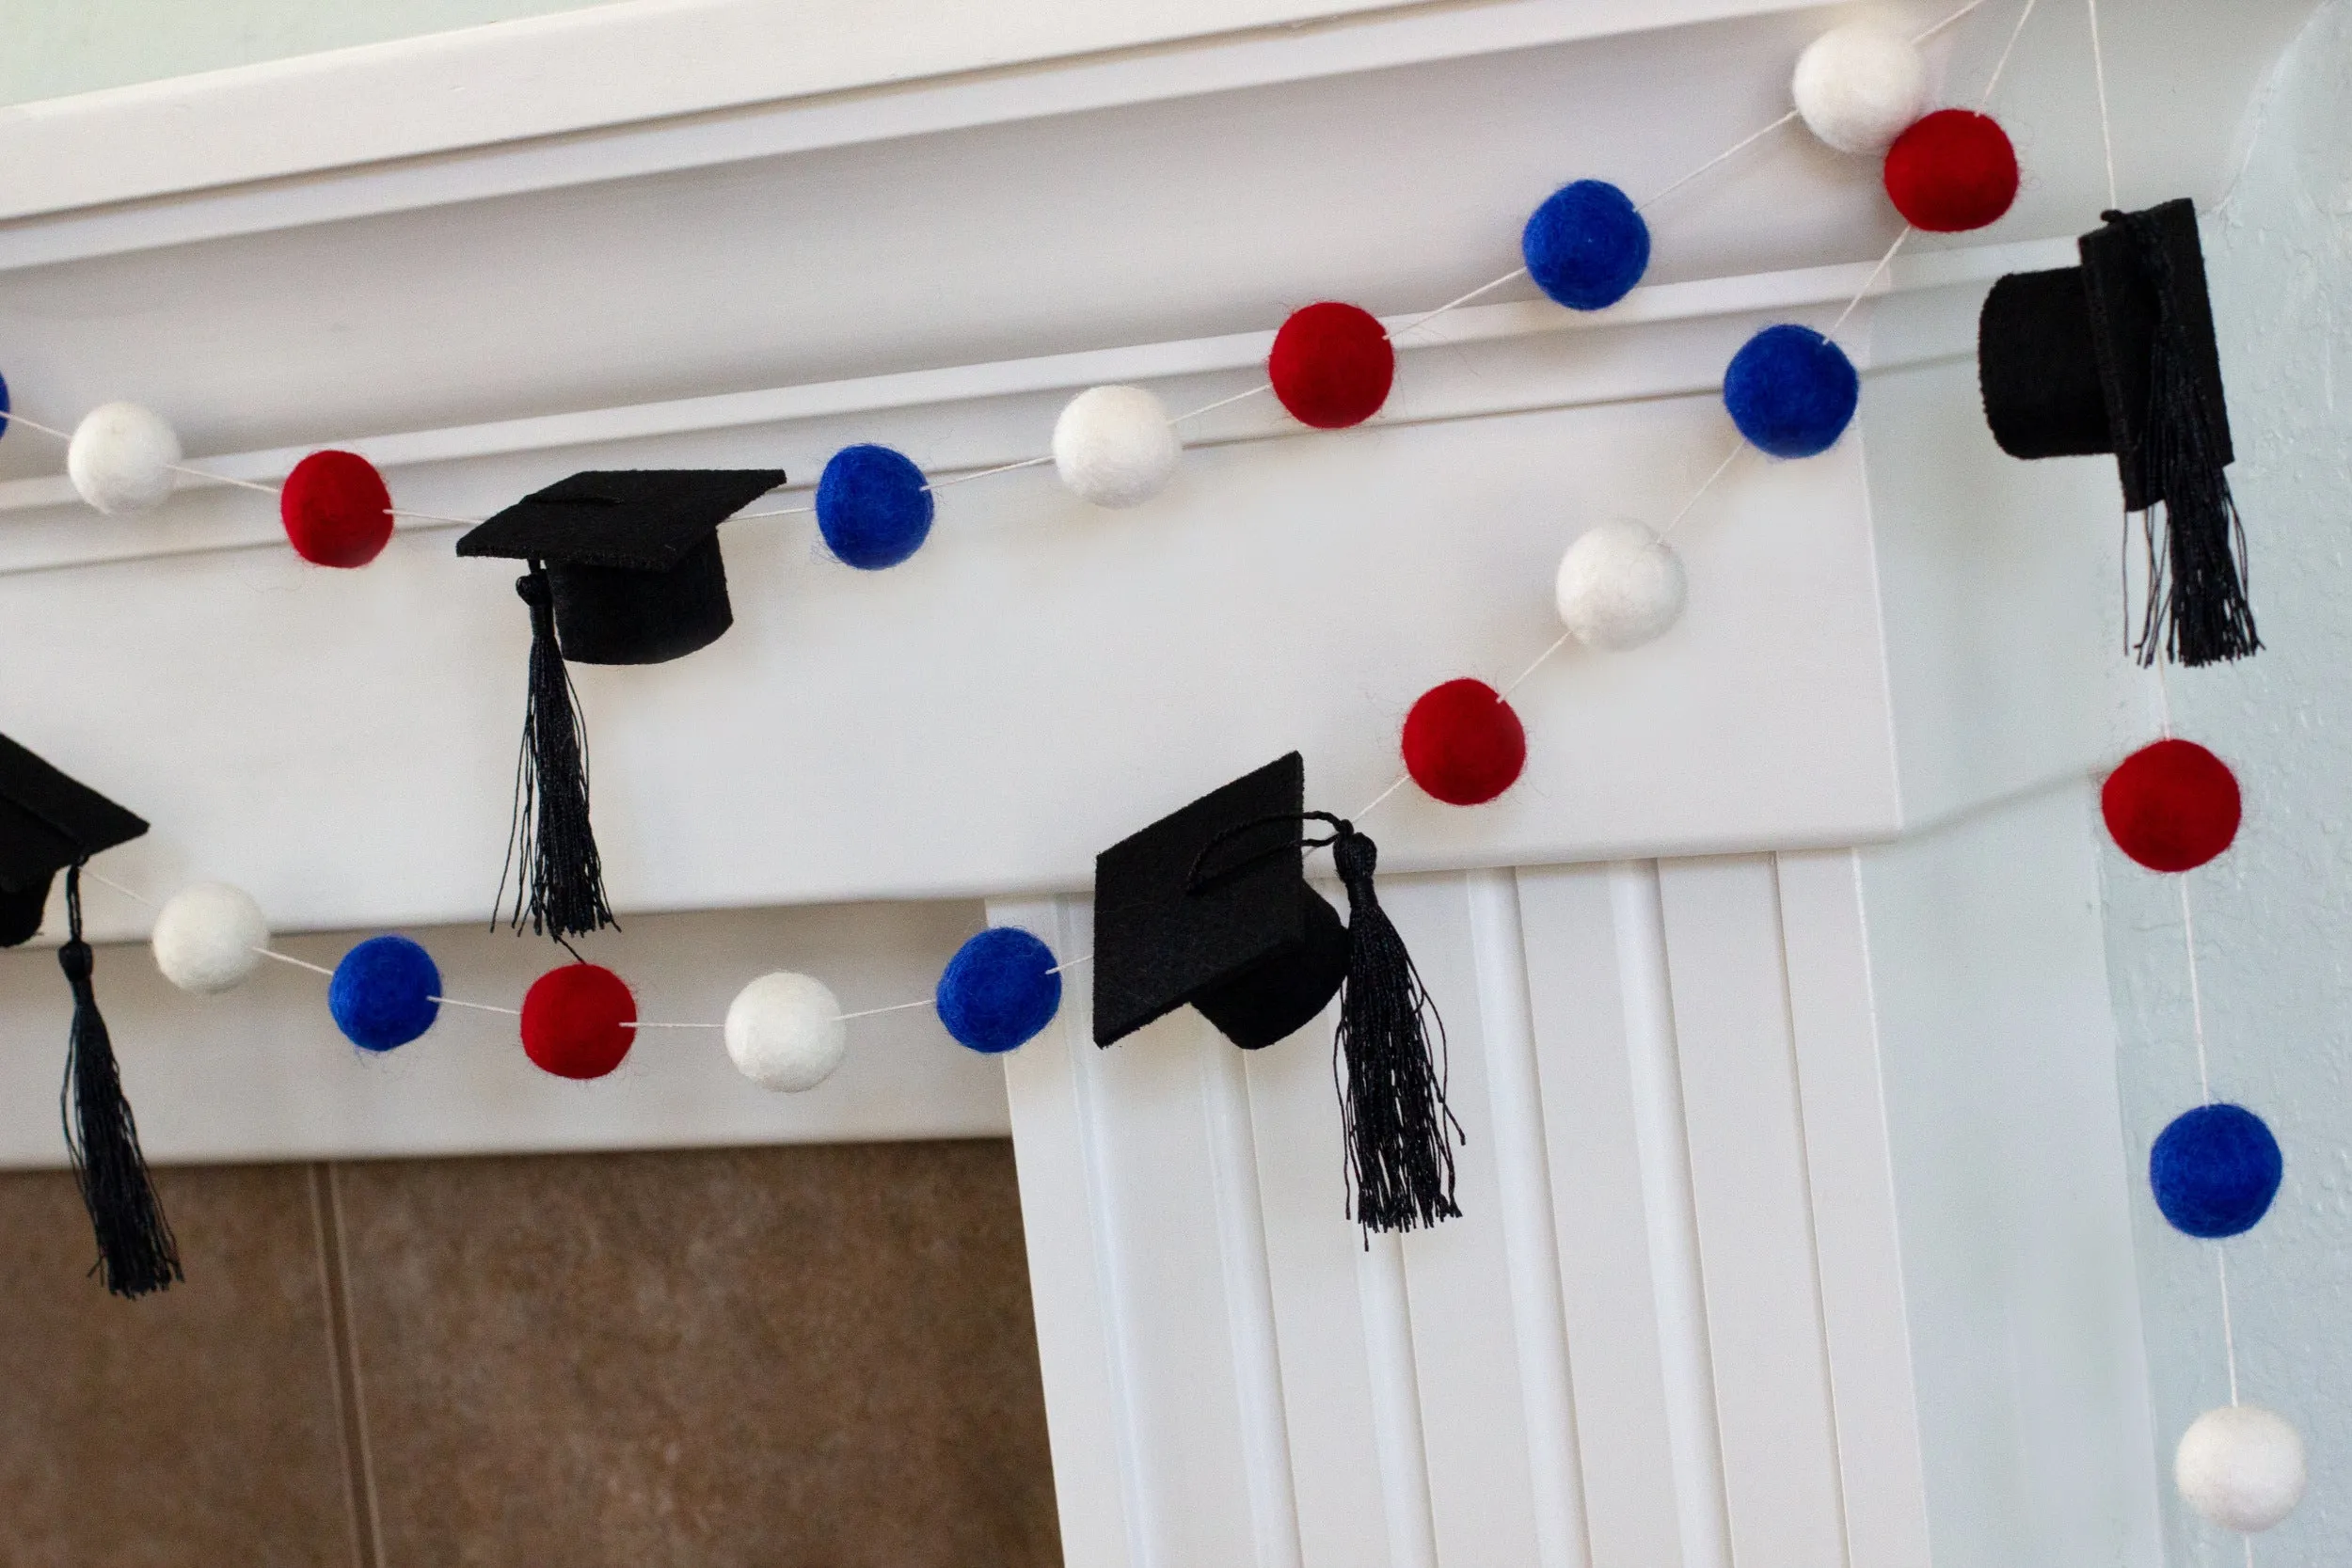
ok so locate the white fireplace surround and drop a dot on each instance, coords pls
(1796, 1223)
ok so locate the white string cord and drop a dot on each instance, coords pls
(988, 473)
(2099, 79)
(31, 423)
(2002, 64)
(455, 1001)
(1876, 273)
(1728, 154)
(1922, 38)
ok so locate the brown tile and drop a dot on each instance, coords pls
(195, 1427)
(790, 1355)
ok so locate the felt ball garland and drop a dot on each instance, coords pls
(2215, 1171)
(784, 1032)
(1619, 586)
(2172, 806)
(1859, 87)
(1000, 989)
(336, 510)
(1463, 744)
(384, 993)
(209, 937)
(579, 1021)
(1586, 245)
(873, 506)
(122, 458)
(1791, 392)
(1114, 446)
(1952, 171)
(2241, 1466)
(1332, 365)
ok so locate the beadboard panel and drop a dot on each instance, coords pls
(1525, 1385)
(1673, 1326)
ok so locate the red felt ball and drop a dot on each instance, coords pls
(2172, 806)
(1463, 745)
(1332, 365)
(1952, 170)
(336, 510)
(579, 1021)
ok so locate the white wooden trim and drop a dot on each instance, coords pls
(825, 72)
(1754, 1213)
(1865, 1327)
(1514, 1103)
(1678, 1285)
(1082, 1352)
(1249, 1310)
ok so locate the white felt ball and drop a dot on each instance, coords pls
(2241, 1466)
(205, 939)
(1114, 446)
(1619, 586)
(784, 1032)
(121, 457)
(1859, 87)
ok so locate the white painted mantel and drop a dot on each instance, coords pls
(1795, 1222)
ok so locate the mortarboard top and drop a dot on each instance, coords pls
(47, 822)
(2065, 357)
(1211, 907)
(631, 556)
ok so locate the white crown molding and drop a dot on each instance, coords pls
(536, 102)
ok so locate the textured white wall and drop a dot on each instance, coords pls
(56, 47)
(2274, 917)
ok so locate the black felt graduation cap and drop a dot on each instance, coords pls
(48, 823)
(1211, 907)
(51, 823)
(624, 569)
(2118, 356)
(631, 557)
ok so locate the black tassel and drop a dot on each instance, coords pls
(1393, 1109)
(2197, 606)
(551, 849)
(135, 1250)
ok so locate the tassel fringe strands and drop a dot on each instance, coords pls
(136, 1252)
(1389, 1056)
(2197, 610)
(551, 847)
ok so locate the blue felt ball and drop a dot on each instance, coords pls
(383, 994)
(5, 405)
(999, 990)
(1791, 392)
(2215, 1171)
(873, 506)
(1586, 246)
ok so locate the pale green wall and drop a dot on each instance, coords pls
(51, 48)
(2274, 915)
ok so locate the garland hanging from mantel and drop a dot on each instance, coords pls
(1208, 907)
